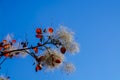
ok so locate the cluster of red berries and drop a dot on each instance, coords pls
(6, 45)
(39, 32)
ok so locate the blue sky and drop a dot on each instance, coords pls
(97, 30)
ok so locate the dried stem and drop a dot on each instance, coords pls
(25, 49)
(3, 61)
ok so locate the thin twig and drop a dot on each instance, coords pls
(3, 61)
(25, 49)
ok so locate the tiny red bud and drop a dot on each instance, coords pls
(57, 61)
(35, 49)
(50, 30)
(7, 54)
(14, 41)
(38, 67)
(39, 36)
(39, 31)
(6, 46)
(63, 50)
(4, 41)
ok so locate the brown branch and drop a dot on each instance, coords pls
(24, 49)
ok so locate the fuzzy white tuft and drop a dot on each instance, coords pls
(15, 46)
(67, 39)
(51, 57)
(64, 34)
(68, 68)
(72, 47)
(9, 37)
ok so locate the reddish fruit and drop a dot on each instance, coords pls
(7, 54)
(38, 67)
(57, 61)
(6, 46)
(35, 49)
(39, 31)
(50, 30)
(4, 41)
(39, 36)
(13, 41)
(63, 50)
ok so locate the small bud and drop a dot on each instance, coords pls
(38, 67)
(35, 49)
(57, 61)
(44, 31)
(39, 31)
(39, 36)
(50, 30)
(13, 41)
(4, 41)
(6, 46)
(22, 43)
(7, 54)
(63, 50)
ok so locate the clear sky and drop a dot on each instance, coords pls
(96, 24)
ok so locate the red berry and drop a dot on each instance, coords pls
(57, 61)
(4, 41)
(39, 36)
(14, 41)
(38, 67)
(39, 31)
(35, 49)
(50, 30)
(7, 54)
(6, 46)
(63, 50)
